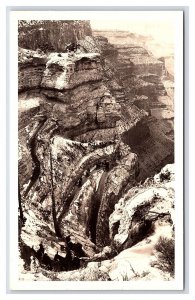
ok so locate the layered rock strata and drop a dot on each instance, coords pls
(77, 128)
(150, 87)
(71, 186)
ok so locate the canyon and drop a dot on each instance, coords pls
(96, 131)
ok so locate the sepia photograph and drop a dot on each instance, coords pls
(97, 152)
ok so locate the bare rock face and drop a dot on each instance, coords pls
(31, 66)
(51, 35)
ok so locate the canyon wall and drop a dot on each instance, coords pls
(150, 87)
(73, 165)
(51, 35)
(87, 135)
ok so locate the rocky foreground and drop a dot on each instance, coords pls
(88, 140)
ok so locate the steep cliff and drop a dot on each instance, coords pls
(51, 35)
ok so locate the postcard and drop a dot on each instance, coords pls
(96, 163)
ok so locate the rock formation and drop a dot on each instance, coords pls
(83, 146)
(149, 86)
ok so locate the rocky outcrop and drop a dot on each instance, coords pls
(67, 81)
(64, 84)
(136, 213)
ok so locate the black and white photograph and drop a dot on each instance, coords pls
(97, 149)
